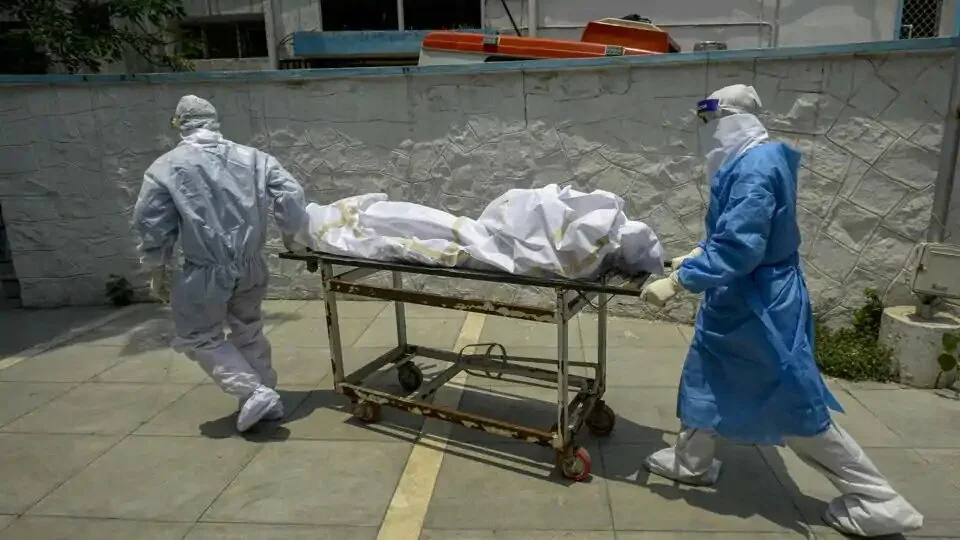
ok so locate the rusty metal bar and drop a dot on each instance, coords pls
(564, 436)
(487, 307)
(333, 326)
(482, 362)
(393, 356)
(433, 386)
(625, 286)
(469, 420)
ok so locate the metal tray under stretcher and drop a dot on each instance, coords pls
(340, 275)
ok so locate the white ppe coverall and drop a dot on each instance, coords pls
(214, 196)
(750, 374)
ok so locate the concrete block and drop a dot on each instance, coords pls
(917, 343)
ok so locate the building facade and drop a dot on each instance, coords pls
(258, 34)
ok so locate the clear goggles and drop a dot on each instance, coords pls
(708, 109)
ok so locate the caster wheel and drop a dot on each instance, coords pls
(366, 412)
(410, 376)
(601, 419)
(575, 464)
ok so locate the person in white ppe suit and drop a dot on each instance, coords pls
(214, 196)
(750, 373)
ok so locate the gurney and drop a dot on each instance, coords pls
(586, 407)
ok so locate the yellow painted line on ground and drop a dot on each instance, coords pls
(69, 335)
(408, 508)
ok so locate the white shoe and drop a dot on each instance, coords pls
(256, 407)
(274, 414)
(664, 463)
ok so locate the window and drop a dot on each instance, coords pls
(920, 18)
(441, 14)
(346, 15)
(225, 39)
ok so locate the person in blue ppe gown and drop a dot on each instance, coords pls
(750, 374)
(213, 195)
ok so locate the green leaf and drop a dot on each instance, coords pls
(947, 362)
(950, 342)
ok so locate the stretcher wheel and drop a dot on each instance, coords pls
(366, 411)
(601, 419)
(575, 464)
(410, 376)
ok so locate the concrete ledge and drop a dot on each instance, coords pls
(912, 45)
(917, 343)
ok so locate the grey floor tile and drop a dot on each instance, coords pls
(151, 478)
(26, 328)
(922, 483)
(326, 415)
(33, 465)
(625, 332)
(100, 408)
(56, 528)
(66, 364)
(437, 333)
(478, 378)
(747, 498)
(517, 333)
(644, 415)
(642, 366)
(245, 531)
(862, 424)
(312, 333)
(314, 482)
(5, 520)
(19, 398)
(687, 332)
(514, 486)
(346, 309)
(301, 366)
(208, 411)
(149, 328)
(739, 535)
(499, 534)
(157, 366)
(901, 409)
(521, 404)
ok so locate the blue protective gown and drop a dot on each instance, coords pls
(750, 374)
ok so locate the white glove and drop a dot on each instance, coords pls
(677, 261)
(160, 284)
(660, 291)
(292, 245)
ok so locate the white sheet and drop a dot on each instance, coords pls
(548, 231)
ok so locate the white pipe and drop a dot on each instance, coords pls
(533, 20)
(947, 170)
(400, 19)
(268, 22)
(776, 24)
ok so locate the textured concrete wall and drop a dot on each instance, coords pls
(71, 156)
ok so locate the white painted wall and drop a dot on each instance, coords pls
(72, 156)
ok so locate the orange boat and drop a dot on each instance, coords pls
(605, 37)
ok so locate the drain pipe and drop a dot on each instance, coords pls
(533, 20)
(268, 22)
(946, 172)
(776, 24)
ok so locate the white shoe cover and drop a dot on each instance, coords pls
(256, 407)
(859, 517)
(664, 463)
(274, 414)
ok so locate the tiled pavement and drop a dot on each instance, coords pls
(113, 436)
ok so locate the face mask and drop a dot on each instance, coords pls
(710, 148)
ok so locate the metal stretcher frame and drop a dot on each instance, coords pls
(587, 406)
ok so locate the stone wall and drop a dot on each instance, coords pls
(72, 155)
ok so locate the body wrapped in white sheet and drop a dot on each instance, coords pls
(548, 231)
